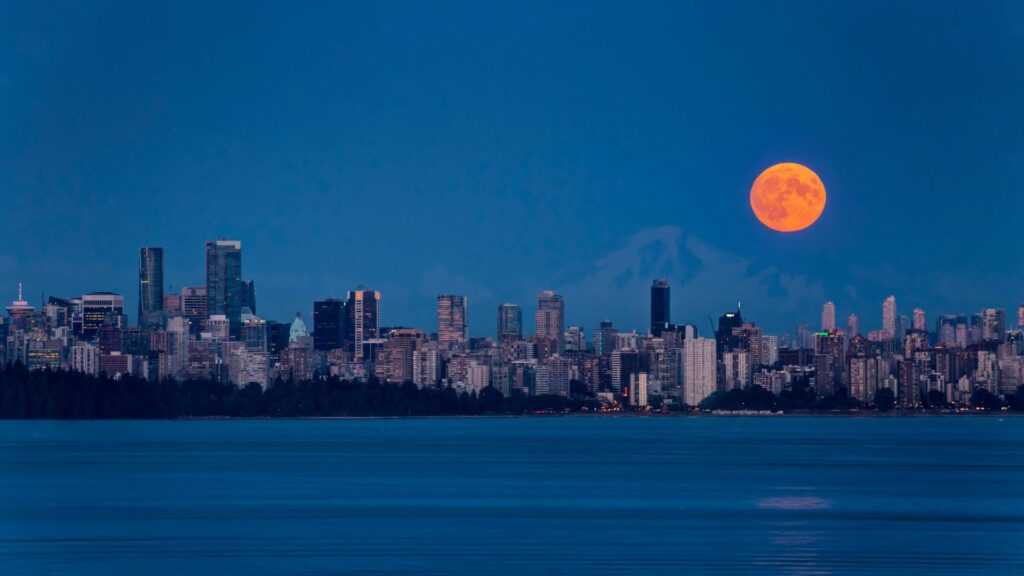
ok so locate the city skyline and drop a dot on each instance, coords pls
(614, 146)
(150, 273)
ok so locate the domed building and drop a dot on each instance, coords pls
(298, 329)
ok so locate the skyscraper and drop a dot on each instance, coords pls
(1020, 317)
(889, 317)
(363, 319)
(193, 306)
(510, 323)
(452, 320)
(828, 316)
(97, 307)
(699, 370)
(993, 324)
(329, 321)
(550, 318)
(920, 322)
(660, 306)
(224, 281)
(852, 325)
(723, 337)
(151, 287)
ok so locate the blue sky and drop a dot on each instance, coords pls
(498, 149)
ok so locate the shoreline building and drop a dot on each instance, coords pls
(700, 374)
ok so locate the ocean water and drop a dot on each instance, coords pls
(571, 495)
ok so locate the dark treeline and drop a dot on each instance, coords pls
(58, 394)
(802, 398)
(45, 394)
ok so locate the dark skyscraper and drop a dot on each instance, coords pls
(224, 281)
(329, 321)
(660, 306)
(363, 314)
(724, 339)
(510, 323)
(151, 287)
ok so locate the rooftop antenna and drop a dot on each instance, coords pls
(19, 291)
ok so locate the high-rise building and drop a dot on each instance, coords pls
(638, 389)
(395, 359)
(510, 322)
(574, 341)
(736, 364)
(605, 338)
(993, 324)
(97, 307)
(660, 306)
(624, 362)
(865, 372)
(699, 370)
(224, 281)
(889, 317)
(550, 318)
(1020, 317)
(830, 361)
(852, 325)
(329, 320)
(254, 334)
(828, 317)
(426, 365)
(151, 287)
(177, 348)
(804, 337)
(248, 295)
(769, 350)
(363, 320)
(452, 321)
(724, 340)
(193, 307)
(920, 322)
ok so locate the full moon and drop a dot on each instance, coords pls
(787, 197)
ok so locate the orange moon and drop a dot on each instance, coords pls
(787, 197)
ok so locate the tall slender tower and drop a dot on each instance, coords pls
(550, 318)
(363, 322)
(889, 316)
(828, 316)
(151, 287)
(224, 281)
(920, 321)
(852, 325)
(661, 310)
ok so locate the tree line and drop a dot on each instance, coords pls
(60, 394)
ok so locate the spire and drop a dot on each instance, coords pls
(19, 292)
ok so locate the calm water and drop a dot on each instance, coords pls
(787, 495)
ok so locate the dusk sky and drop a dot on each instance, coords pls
(496, 149)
